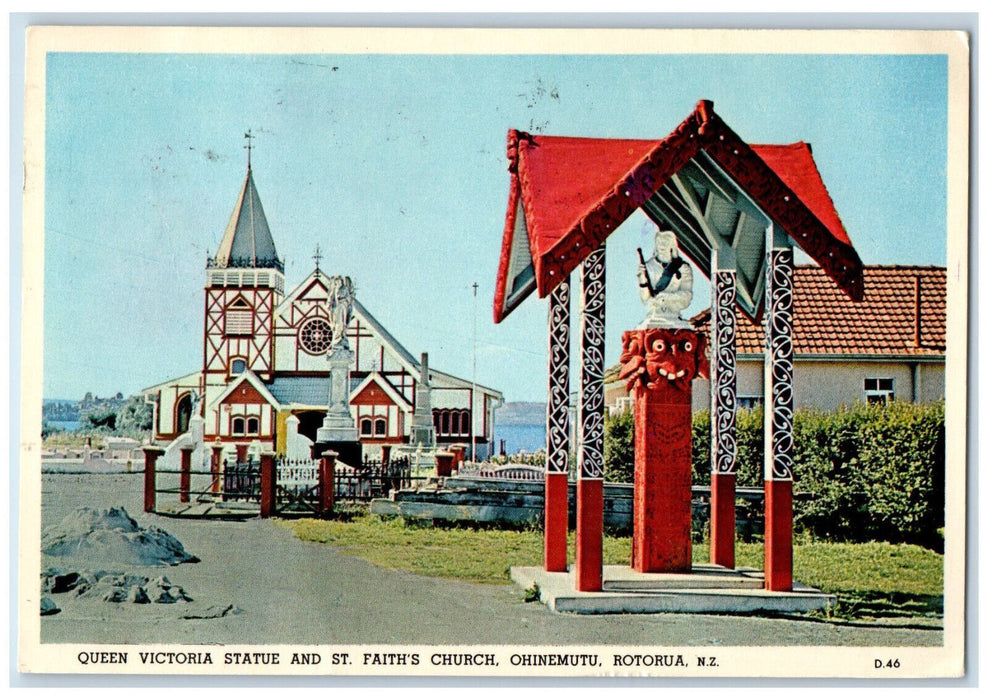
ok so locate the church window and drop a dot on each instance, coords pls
(380, 427)
(239, 318)
(464, 422)
(315, 336)
(239, 366)
(366, 427)
(253, 426)
(238, 426)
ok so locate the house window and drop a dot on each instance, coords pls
(879, 389)
(366, 427)
(253, 426)
(464, 422)
(380, 427)
(239, 425)
(238, 366)
(239, 319)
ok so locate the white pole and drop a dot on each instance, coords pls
(473, 388)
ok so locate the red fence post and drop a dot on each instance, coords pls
(214, 464)
(385, 454)
(151, 454)
(241, 452)
(444, 463)
(327, 480)
(185, 475)
(269, 483)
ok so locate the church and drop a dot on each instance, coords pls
(264, 360)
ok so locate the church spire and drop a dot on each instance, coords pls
(247, 241)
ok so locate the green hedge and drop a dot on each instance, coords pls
(861, 473)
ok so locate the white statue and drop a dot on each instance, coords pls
(341, 296)
(666, 284)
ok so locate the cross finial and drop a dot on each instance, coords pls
(317, 256)
(475, 289)
(248, 135)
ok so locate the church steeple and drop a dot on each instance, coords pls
(247, 241)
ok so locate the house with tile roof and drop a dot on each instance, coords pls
(265, 359)
(890, 345)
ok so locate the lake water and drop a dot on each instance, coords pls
(520, 438)
(64, 424)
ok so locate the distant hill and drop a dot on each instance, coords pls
(521, 413)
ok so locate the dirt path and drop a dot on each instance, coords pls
(288, 591)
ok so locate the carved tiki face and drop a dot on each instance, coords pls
(676, 355)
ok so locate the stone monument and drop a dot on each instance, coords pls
(339, 431)
(659, 360)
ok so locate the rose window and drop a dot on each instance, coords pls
(315, 336)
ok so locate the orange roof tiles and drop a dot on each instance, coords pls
(826, 322)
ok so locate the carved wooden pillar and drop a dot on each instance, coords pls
(723, 413)
(778, 417)
(659, 365)
(557, 432)
(590, 485)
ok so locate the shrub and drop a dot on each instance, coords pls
(619, 447)
(868, 472)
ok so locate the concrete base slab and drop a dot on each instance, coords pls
(709, 589)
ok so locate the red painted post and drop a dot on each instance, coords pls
(778, 535)
(327, 480)
(589, 534)
(215, 456)
(556, 520)
(444, 463)
(151, 454)
(385, 454)
(241, 452)
(723, 519)
(185, 475)
(269, 483)
(659, 365)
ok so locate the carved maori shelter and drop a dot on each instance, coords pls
(736, 211)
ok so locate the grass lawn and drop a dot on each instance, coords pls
(873, 579)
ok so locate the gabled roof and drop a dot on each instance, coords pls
(252, 379)
(569, 194)
(247, 241)
(379, 380)
(826, 322)
(405, 357)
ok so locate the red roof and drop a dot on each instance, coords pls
(826, 322)
(576, 191)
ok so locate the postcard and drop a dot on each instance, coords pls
(494, 352)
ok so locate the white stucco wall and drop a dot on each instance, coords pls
(827, 385)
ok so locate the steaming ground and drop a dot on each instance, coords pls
(255, 582)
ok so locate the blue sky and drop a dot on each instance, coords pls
(395, 166)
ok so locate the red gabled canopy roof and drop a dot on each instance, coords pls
(574, 192)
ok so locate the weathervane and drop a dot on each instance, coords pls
(317, 256)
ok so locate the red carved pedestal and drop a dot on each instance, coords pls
(659, 365)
